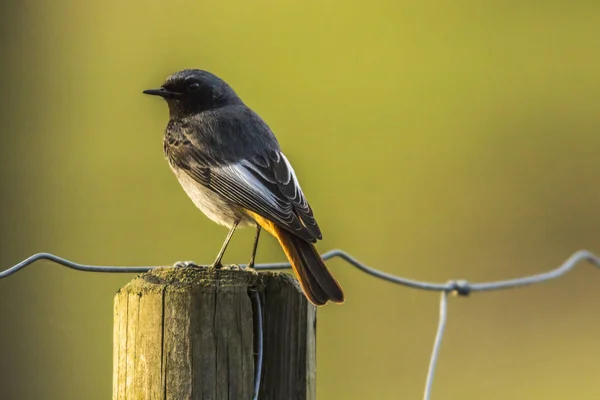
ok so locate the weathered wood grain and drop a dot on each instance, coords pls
(290, 325)
(187, 333)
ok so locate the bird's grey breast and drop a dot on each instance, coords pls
(213, 205)
(187, 158)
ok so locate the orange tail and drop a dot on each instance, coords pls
(316, 281)
(318, 284)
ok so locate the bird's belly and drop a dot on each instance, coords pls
(210, 203)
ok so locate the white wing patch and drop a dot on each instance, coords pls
(239, 172)
(248, 164)
(299, 196)
(291, 176)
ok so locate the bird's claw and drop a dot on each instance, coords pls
(229, 267)
(184, 264)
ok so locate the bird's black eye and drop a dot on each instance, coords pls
(194, 86)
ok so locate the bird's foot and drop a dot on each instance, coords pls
(185, 264)
(229, 267)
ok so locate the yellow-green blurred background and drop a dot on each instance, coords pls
(435, 140)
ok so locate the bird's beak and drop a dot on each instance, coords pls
(162, 92)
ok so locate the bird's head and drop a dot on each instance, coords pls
(192, 91)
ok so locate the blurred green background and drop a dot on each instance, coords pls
(435, 140)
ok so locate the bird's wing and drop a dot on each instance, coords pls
(277, 174)
(264, 184)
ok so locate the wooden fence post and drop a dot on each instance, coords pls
(187, 333)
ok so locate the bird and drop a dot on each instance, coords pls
(231, 166)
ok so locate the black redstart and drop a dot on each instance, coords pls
(231, 166)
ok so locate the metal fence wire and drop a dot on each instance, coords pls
(458, 287)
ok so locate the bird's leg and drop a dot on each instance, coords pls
(217, 263)
(254, 247)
